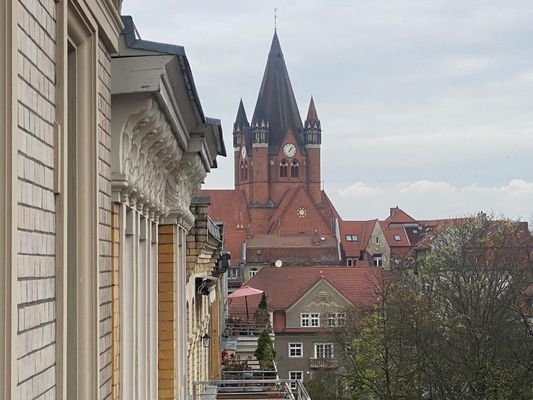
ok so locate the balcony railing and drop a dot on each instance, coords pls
(323, 363)
(251, 388)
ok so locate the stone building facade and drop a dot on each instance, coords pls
(97, 176)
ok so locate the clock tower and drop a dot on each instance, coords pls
(277, 210)
(276, 152)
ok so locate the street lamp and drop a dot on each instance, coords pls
(206, 339)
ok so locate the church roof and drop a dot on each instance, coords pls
(241, 120)
(276, 103)
(311, 112)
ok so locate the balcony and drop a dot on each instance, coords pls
(248, 389)
(323, 363)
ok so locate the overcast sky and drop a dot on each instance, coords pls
(427, 105)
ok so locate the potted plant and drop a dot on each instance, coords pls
(265, 353)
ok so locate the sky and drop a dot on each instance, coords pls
(425, 105)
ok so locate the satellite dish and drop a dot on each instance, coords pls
(278, 263)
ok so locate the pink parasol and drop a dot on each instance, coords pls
(245, 291)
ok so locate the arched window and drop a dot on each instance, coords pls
(294, 169)
(283, 167)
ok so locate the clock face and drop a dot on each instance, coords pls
(243, 152)
(301, 212)
(289, 150)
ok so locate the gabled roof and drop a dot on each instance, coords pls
(396, 236)
(398, 216)
(363, 231)
(285, 286)
(276, 103)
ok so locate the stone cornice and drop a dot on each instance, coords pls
(148, 153)
(181, 186)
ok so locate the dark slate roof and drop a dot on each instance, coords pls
(311, 113)
(241, 120)
(276, 103)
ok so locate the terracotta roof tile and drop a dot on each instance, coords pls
(363, 230)
(229, 206)
(285, 286)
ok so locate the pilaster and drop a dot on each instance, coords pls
(167, 368)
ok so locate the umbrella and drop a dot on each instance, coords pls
(245, 291)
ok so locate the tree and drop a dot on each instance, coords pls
(265, 352)
(473, 279)
(456, 328)
(262, 316)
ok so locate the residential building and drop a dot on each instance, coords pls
(306, 303)
(105, 143)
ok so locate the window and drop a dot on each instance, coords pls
(352, 238)
(294, 169)
(252, 272)
(397, 238)
(283, 167)
(336, 319)
(233, 273)
(376, 239)
(293, 375)
(377, 260)
(296, 350)
(352, 262)
(323, 350)
(307, 319)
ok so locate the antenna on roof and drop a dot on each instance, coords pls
(275, 19)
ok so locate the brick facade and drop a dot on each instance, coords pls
(105, 219)
(167, 311)
(36, 59)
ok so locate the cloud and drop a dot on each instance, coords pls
(434, 199)
(436, 94)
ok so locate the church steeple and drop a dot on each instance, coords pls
(240, 125)
(276, 104)
(312, 129)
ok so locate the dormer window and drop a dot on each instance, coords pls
(351, 238)
(283, 169)
(397, 238)
(294, 169)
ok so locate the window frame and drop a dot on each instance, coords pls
(301, 378)
(283, 169)
(295, 346)
(351, 237)
(324, 346)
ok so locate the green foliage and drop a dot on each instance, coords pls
(455, 328)
(265, 352)
(262, 316)
(327, 386)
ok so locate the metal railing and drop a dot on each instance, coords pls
(291, 389)
(323, 363)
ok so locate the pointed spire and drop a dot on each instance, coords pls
(311, 113)
(276, 103)
(312, 129)
(241, 121)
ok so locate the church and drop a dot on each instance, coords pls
(277, 211)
